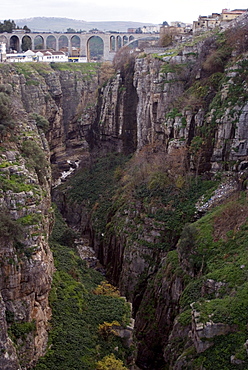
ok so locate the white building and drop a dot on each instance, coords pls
(52, 56)
(16, 58)
(47, 56)
(150, 29)
(2, 52)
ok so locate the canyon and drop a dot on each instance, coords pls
(156, 156)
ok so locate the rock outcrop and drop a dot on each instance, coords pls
(26, 259)
(36, 98)
(192, 109)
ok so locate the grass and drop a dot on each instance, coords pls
(15, 183)
(89, 69)
(42, 68)
(25, 69)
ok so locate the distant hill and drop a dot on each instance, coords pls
(62, 24)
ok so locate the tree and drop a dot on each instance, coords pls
(167, 35)
(110, 363)
(94, 30)
(7, 26)
(123, 58)
(26, 29)
(38, 47)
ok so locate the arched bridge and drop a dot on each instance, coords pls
(112, 42)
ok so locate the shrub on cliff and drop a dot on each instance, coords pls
(9, 228)
(237, 38)
(124, 58)
(110, 363)
(41, 122)
(35, 158)
(6, 121)
(107, 289)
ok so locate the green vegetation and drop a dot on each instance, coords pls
(110, 363)
(218, 356)
(214, 249)
(158, 185)
(12, 231)
(31, 219)
(42, 68)
(31, 71)
(36, 158)
(78, 313)
(21, 330)
(9, 26)
(16, 183)
(41, 122)
(87, 69)
(6, 121)
(25, 69)
(171, 68)
(9, 228)
(95, 188)
(96, 48)
(185, 317)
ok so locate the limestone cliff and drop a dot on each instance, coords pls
(183, 116)
(26, 220)
(189, 117)
(34, 99)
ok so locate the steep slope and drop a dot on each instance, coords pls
(40, 107)
(26, 220)
(169, 224)
(191, 115)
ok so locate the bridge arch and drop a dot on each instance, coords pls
(51, 42)
(125, 40)
(75, 45)
(14, 43)
(26, 43)
(112, 43)
(63, 43)
(95, 48)
(118, 42)
(39, 43)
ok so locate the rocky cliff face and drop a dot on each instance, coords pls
(191, 108)
(34, 100)
(26, 260)
(183, 114)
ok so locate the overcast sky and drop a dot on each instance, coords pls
(154, 11)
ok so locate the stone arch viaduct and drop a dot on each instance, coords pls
(112, 42)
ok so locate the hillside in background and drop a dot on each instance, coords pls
(62, 24)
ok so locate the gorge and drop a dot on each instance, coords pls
(157, 151)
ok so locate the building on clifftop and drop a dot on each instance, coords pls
(205, 23)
